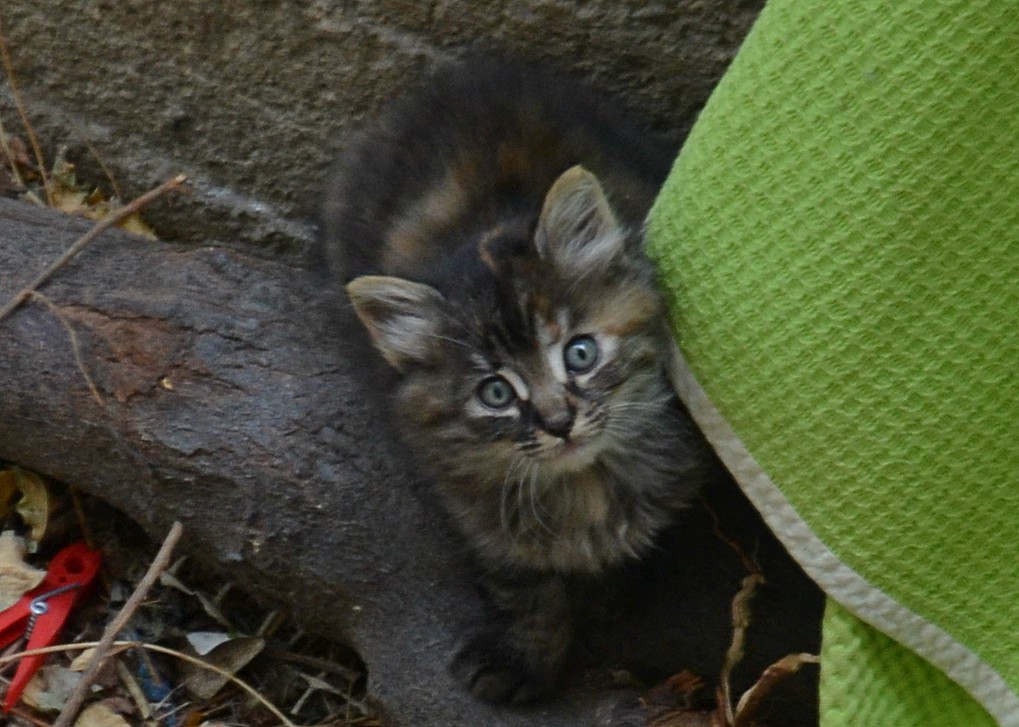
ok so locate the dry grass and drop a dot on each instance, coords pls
(152, 676)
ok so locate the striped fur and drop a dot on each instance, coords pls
(489, 230)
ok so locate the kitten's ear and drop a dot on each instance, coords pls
(577, 227)
(402, 317)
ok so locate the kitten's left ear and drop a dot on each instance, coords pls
(402, 317)
(577, 227)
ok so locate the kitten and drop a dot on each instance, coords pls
(489, 226)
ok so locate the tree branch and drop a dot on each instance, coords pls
(232, 401)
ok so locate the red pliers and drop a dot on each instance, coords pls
(41, 612)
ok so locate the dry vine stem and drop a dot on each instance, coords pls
(741, 616)
(725, 714)
(121, 214)
(780, 670)
(81, 689)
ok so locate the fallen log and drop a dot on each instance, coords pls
(219, 388)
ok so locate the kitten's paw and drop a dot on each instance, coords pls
(491, 673)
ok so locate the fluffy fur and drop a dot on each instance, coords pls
(489, 226)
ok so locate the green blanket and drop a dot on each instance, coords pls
(839, 240)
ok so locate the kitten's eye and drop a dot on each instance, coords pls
(580, 354)
(496, 393)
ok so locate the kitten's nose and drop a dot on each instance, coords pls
(559, 421)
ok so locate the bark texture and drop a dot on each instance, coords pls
(230, 401)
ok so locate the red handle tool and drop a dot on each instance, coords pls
(41, 612)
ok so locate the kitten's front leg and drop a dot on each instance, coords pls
(519, 653)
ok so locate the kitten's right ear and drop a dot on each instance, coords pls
(402, 317)
(577, 227)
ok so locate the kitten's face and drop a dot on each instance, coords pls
(540, 358)
(551, 403)
(548, 398)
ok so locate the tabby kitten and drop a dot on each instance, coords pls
(489, 226)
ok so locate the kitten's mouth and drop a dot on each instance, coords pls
(576, 453)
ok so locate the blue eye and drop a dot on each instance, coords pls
(496, 393)
(580, 354)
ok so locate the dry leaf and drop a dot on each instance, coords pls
(50, 688)
(34, 505)
(135, 224)
(230, 655)
(69, 201)
(205, 641)
(671, 703)
(322, 685)
(19, 154)
(68, 195)
(171, 581)
(195, 718)
(81, 660)
(16, 576)
(777, 672)
(99, 715)
(134, 689)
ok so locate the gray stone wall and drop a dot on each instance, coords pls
(252, 99)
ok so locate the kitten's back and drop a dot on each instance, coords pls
(471, 152)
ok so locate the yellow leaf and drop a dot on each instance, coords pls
(34, 505)
(71, 201)
(16, 576)
(98, 714)
(81, 660)
(134, 223)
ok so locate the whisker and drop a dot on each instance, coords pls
(536, 502)
(449, 339)
(659, 403)
(521, 510)
(457, 323)
(505, 490)
(528, 445)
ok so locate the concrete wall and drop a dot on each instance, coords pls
(251, 98)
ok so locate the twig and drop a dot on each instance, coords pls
(5, 56)
(124, 212)
(75, 346)
(11, 162)
(120, 646)
(30, 718)
(101, 653)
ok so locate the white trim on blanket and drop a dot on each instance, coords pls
(838, 580)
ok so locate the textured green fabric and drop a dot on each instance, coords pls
(840, 242)
(903, 680)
